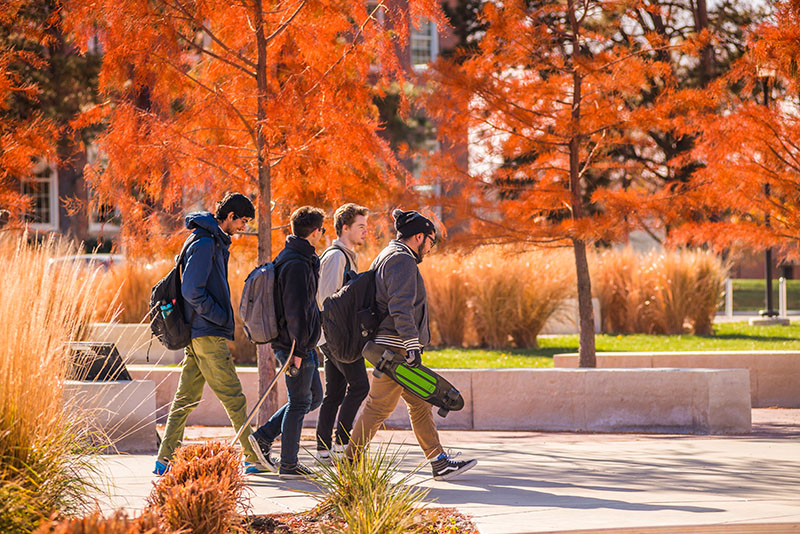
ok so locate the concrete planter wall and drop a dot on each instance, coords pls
(773, 374)
(124, 411)
(133, 343)
(597, 400)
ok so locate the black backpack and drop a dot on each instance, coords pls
(350, 318)
(167, 320)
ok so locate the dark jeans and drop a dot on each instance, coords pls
(346, 385)
(305, 395)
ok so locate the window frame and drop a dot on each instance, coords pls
(52, 225)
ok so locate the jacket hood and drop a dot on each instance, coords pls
(206, 221)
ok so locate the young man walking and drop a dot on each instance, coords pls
(346, 384)
(400, 292)
(207, 305)
(296, 282)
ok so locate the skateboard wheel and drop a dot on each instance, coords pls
(443, 412)
(377, 373)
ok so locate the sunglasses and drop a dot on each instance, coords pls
(432, 237)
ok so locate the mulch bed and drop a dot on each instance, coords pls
(435, 521)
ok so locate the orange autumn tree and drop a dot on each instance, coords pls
(272, 98)
(545, 97)
(747, 194)
(26, 136)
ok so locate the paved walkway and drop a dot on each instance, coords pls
(543, 482)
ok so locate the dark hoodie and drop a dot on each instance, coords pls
(296, 281)
(205, 278)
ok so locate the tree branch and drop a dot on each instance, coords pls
(215, 56)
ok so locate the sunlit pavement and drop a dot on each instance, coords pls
(540, 482)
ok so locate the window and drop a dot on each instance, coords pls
(424, 44)
(42, 190)
(418, 165)
(103, 218)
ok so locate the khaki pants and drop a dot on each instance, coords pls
(384, 395)
(206, 359)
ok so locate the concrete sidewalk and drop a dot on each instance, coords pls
(545, 482)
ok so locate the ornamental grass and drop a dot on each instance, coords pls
(45, 450)
(496, 296)
(658, 292)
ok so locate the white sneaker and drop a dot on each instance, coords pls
(326, 456)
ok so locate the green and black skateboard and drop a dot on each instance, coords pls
(422, 382)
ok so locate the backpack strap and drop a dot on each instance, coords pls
(347, 266)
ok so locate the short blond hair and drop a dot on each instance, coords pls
(346, 214)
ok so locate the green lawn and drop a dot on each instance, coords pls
(748, 295)
(730, 336)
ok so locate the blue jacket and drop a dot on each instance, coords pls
(205, 288)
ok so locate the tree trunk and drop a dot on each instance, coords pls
(707, 63)
(586, 347)
(266, 358)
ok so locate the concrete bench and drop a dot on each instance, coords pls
(774, 375)
(620, 400)
(596, 400)
(124, 411)
(133, 342)
(210, 411)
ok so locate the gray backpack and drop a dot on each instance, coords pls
(257, 307)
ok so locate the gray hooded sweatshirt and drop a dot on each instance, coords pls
(400, 291)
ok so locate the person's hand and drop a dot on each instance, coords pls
(413, 358)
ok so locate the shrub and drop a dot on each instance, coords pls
(95, 523)
(447, 297)
(368, 495)
(203, 490)
(544, 279)
(659, 292)
(45, 457)
(503, 293)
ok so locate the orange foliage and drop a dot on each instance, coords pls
(182, 80)
(543, 121)
(23, 140)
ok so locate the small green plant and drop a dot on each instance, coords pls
(202, 492)
(369, 495)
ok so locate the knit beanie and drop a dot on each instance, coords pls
(409, 223)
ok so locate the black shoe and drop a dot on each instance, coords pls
(262, 448)
(295, 472)
(444, 468)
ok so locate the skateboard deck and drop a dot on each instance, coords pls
(422, 382)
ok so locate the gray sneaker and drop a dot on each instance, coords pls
(296, 472)
(444, 468)
(262, 448)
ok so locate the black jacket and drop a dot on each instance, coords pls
(296, 281)
(205, 278)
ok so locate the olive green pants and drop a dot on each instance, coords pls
(206, 359)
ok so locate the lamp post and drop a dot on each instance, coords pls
(765, 73)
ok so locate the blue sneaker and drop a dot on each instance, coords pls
(161, 468)
(255, 468)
